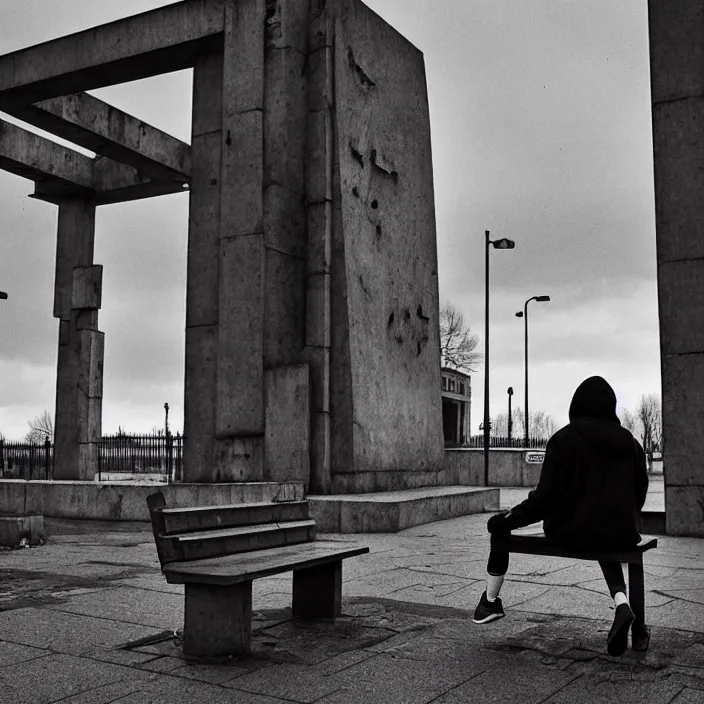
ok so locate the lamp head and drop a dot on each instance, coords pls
(3, 295)
(503, 243)
(519, 314)
(542, 298)
(510, 390)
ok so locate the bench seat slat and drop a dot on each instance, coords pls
(538, 544)
(238, 530)
(244, 567)
(225, 507)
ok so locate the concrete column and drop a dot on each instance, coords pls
(677, 88)
(79, 387)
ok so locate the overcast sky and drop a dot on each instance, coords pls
(541, 131)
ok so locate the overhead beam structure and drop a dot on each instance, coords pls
(94, 124)
(160, 41)
(60, 172)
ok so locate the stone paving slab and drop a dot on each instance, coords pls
(103, 633)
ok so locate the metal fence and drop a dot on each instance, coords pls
(21, 460)
(120, 457)
(505, 442)
(157, 457)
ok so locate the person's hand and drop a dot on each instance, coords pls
(497, 523)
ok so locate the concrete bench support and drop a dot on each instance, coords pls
(218, 619)
(317, 591)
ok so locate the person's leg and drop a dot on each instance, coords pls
(490, 607)
(623, 618)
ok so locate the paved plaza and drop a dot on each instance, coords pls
(88, 619)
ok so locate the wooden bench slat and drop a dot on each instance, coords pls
(225, 507)
(243, 567)
(238, 530)
(538, 544)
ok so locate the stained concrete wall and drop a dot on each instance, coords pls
(385, 376)
(677, 91)
(506, 467)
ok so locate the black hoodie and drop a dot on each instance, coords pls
(594, 479)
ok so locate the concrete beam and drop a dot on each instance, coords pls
(160, 41)
(28, 155)
(93, 124)
(60, 172)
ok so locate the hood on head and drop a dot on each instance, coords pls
(594, 398)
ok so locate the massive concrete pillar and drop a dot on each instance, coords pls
(677, 85)
(312, 299)
(79, 372)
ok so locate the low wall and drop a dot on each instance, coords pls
(507, 467)
(127, 501)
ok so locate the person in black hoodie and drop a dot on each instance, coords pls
(592, 487)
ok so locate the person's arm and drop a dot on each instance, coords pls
(540, 501)
(640, 475)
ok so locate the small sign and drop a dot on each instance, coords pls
(535, 457)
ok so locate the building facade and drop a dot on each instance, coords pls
(456, 407)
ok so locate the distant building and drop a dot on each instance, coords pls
(456, 406)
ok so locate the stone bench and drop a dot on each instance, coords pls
(217, 551)
(538, 544)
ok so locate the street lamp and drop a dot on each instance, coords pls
(503, 243)
(524, 314)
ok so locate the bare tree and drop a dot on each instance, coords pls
(457, 343)
(649, 415)
(628, 420)
(542, 424)
(41, 428)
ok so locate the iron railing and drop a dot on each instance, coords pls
(21, 460)
(505, 442)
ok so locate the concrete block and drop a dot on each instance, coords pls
(320, 33)
(238, 459)
(207, 94)
(287, 439)
(678, 141)
(240, 343)
(87, 287)
(683, 401)
(284, 309)
(243, 75)
(285, 117)
(91, 350)
(285, 221)
(64, 332)
(15, 529)
(319, 223)
(681, 303)
(12, 496)
(676, 49)
(204, 231)
(241, 207)
(318, 313)
(319, 67)
(75, 237)
(287, 25)
(319, 157)
(684, 510)
(199, 410)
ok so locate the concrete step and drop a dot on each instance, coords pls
(184, 520)
(211, 543)
(392, 511)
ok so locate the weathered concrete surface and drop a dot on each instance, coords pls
(89, 618)
(163, 40)
(127, 501)
(104, 129)
(385, 403)
(394, 511)
(16, 529)
(677, 80)
(507, 467)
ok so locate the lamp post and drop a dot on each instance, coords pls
(503, 243)
(524, 314)
(510, 419)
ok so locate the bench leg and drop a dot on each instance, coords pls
(636, 591)
(317, 591)
(218, 619)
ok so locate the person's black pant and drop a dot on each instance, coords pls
(498, 564)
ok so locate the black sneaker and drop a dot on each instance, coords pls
(487, 611)
(618, 635)
(640, 638)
